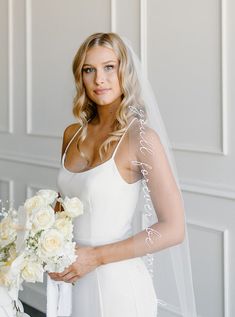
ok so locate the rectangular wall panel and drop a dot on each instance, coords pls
(208, 267)
(51, 46)
(184, 47)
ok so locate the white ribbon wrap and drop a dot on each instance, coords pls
(59, 298)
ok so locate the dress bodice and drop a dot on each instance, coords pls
(109, 201)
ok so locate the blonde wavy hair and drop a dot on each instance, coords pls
(84, 109)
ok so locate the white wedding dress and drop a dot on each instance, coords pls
(119, 289)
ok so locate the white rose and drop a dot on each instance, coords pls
(34, 203)
(7, 232)
(48, 194)
(61, 214)
(50, 243)
(32, 272)
(64, 225)
(43, 219)
(73, 207)
(63, 262)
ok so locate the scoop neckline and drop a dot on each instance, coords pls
(104, 163)
(88, 170)
(100, 165)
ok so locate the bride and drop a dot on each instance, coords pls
(109, 157)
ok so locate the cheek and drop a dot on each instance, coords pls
(116, 82)
(118, 86)
(86, 82)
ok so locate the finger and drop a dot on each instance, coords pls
(52, 275)
(56, 278)
(69, 276)
(63, 273)
(74, 279)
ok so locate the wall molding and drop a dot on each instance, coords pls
(224, 93)
(10, 185)
(29, 71)
(113, 15)
(143, 36)
(10, 66)
(194, 149)
(174, 309)
(223, 81)
(29, 159)
(28, 28)
(191, 186)
(225, 238)
(208, 189)
(224, 75)
(171, 308)
(9, 130)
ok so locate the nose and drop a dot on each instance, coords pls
(99, 77)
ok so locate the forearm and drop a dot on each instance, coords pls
(160, 236)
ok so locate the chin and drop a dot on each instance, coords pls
(105, 102)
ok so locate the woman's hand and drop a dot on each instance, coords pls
(86, 262)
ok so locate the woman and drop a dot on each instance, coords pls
(106, 156)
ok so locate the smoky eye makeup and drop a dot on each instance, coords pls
(108, 67)
(88, 70)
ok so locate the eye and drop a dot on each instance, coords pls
(88, 70)
(109, 67)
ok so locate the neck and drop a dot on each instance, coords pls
(106, 114)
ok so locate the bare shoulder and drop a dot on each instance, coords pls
(144, 137)
(68, 134)
(70, 130)
(151, 135)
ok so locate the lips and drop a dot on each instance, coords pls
(101, 91)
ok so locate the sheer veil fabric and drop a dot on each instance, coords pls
(171, 267)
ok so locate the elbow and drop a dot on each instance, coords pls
(180, 236)
(178, 233)
(180, 239)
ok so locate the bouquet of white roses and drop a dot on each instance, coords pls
(9, 303)
(41, 241)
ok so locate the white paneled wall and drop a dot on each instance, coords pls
(188, 51)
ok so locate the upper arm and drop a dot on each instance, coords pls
(164, 191)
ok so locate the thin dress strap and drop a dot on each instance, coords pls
(72, 140)
(63, 157)
(66, 149)
(114, 152)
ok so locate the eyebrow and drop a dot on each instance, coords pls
(111, 61)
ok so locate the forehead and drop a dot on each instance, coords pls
(99, 55)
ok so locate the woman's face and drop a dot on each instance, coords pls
(100, 76)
